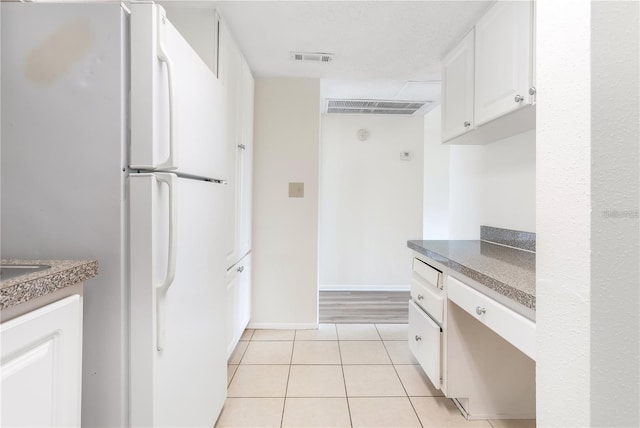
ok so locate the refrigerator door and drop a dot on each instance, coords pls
(178, 364)
(176, 101)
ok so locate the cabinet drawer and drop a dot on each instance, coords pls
(513, 327)
(428, 273)
(425, 338)
(429, 298)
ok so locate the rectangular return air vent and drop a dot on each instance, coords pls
(335, 106)
(312, 56)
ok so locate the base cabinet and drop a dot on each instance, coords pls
(475, 350)
(238, 301)
(41, 366)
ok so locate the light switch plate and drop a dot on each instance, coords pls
(296, 190)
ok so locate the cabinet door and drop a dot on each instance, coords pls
(503, 60)
(243, 303)
(232, 288)
(229, 72)
(244, 172)
(238, 301)
(457, 89)
(425, 339)
(41, 366)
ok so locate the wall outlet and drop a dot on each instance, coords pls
(296, 190)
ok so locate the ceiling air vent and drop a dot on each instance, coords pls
(312, 56)
(335, 106)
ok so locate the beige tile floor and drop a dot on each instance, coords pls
(341, 375)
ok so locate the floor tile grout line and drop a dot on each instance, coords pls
(286, 389)
(344, 380)
(401, 383)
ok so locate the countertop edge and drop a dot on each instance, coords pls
(48, 282)
(518, 296)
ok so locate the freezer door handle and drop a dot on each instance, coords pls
(172, 160)
(161, 289)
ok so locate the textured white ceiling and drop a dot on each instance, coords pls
(378, 45)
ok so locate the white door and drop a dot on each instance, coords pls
(457, 89)
(41, 366)
(178, 338)
(176, 101)
(503, 60)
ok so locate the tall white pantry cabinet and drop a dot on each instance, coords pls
(206, 31)
(239, 91)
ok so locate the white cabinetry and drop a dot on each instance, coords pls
(425, 342)
(503, 60)
(239, 89)
(238, 301)
(244, 171)
(41, 366)
(426, 320)
(487, 373)
(229, 74)
(513, 327)
(457, 89)
(476, 350)
(498, 54)
(238, 84)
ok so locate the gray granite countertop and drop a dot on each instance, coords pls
(61, 274)
(508, 271)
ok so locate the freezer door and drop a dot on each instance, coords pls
(178, 336)
(176, 101)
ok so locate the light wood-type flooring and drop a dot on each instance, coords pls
(358, 307)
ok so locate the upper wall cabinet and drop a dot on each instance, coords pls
(502, 90)
(457, 89)
(503, 60)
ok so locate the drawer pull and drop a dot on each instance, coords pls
(480, 311)
(420, 297)
(418, 338)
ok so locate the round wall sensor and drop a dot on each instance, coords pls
(363, 134)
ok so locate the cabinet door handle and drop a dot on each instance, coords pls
(467, 124)
(242, 146)
(241, 269)
(480, 311)
(518, 98)
(418, 338)
(532, 90)
(420, 297)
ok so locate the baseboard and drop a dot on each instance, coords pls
(364, 287)
(282, 326)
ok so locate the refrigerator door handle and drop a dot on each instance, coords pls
(172, 160)
(161, 289)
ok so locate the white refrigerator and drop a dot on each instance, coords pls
(111, 150)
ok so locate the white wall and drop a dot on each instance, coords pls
(370, 200)
(493, 185)
(563, 213)
(436, 179)
(588, 186)
(285, 230)
(467, 185)
(615, 206)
